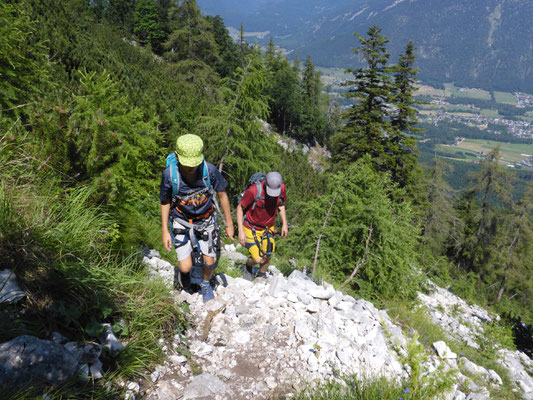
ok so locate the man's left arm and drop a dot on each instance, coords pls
(284, 225)
(224, 203)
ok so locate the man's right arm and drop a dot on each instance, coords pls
(165, 212)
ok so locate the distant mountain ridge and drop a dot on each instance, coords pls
(479, 43)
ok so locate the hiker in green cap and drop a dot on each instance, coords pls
(187, 195)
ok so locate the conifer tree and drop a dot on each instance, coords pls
(242, 44)
(99, 139)
(228, 51)
(404, 120)
(366, 232)
(313, 124)
(233, 129)
(367, 127)
(514, 250)
(191, 36)
(147, 25)
(440, 223)
(373, 127)
(120, 12)
(283, 90)
(492, 186)
(23, 57)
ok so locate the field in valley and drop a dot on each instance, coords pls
(473, 149)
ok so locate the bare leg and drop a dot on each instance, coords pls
(208, 272)
(186, 265)
(263, 262)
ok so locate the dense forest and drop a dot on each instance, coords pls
(93, 95)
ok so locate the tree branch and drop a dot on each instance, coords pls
(362, 262)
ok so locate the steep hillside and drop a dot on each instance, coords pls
(478, 43)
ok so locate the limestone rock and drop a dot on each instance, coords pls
(29, 360)
(10, 291)
(205, 385)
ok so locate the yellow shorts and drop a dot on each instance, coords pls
(262, 238)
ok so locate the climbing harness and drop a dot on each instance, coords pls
(207, 230)
(267, 235)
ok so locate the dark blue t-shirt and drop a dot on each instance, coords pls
(195, 205)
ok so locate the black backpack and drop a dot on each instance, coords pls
(256, 179)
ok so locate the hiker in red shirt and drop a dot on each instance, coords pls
(256, 217)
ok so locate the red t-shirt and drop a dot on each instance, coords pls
(266, 208)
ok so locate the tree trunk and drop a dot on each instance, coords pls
(317, 249)
(360, 263)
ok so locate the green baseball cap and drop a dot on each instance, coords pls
(189, 148)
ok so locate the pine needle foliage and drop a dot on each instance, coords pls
(362, 213)
(233, 132)
(382, 115)
(23, 64)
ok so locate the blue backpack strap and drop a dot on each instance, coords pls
(172, 162)
(207, 182)
(175, 178)
(205, 177)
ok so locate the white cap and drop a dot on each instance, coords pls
(273, 184)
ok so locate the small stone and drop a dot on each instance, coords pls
(321, 293)
(304, 297)
(494, 377)
(270, 330)
(271, 382)
(205, 385)
(178, 359)
(154, 376)
(241, 337)
(134, 387)
(443, 350)
(278, 286)
(225, 374)
(96, 370)
(313, 308)
(292, 297)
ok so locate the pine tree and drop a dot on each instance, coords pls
(492, 186)
(313, 123)
(120, 13)
(283, 90)
(99, 139)
(229, 58)
(379, 121)
(514, 250)
(367, 236)
(440, 225)
(23, 64)
(147, 25)
(233, 129)
(191, 35)
(367, 128)
(404, 120)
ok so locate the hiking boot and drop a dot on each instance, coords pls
(247, 273)
(255, 271)
(261, 276)
(207, 291)
(185, 280)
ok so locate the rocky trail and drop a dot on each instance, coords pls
(271, 338)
